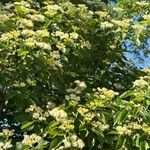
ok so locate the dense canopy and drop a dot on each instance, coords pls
(65, 82)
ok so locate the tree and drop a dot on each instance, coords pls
(61, 63)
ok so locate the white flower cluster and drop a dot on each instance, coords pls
(118, 9)
(106, 25)
(61, 116)
(51, 10)
(146, 17)
(28, 32)
(123, 130)
(9, 35)
(42, 33)
(146, 128)
(24, 6)
(146, 70)
(138, 27)
(122, 23)
(62, 35)
(105, 93)
(134, 126)
(36, 17)
(140, 83)
(43, 45)
(102, 14)
(25, 22)
(50, 105)
(31, 139)
(6, 133)
(100, 126)
(31, 42)
(22, 3)
(86, 113)
(73, 92)
(58, 113)
(143, 3)
(37, 112)
(4, 17)
(5, 145)
(72, 142)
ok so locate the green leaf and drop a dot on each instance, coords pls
(22, 117)
(144, 145)
(23, 52)
(27, 126)
(120, 116)
(42, 145)
(56, 142)
(120, 142)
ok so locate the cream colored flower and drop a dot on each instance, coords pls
(58, 113)
(27, 32)
(42, 33)
(143, 3)
(146, 17)
(43, 45)
(102, 14)
(4, 17)
(73, 35)
(118, 9)
(30, 42)
(25, 22)
(106, 25)
(31, 139)
(123, 130)
(36, 17)
(140, 83)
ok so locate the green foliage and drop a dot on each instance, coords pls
(60, 63)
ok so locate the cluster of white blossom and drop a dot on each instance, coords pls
(37, 112)
(138, 27)
(122, 23)
(146, 17)
(123, 130)
(146, 128)
(31, 139)
(73, 93)
(31, 42)
(51, 10)
(5, 145)
(118, 9)
(58, 113)
(106, 94)
(143, 3)
(50, 105)
(25, 7)
(62, 35)
(147, 70)
(140, 83)
(86, 113)
(100, 126)
(134, 126)
(72, 142)
(22, 3)
(61, 116)
(6, 133)
(4, 17)
(106, 25)
(5, 37)
(102, 14)
(36, 17)
(22, 22)
(42, 33)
